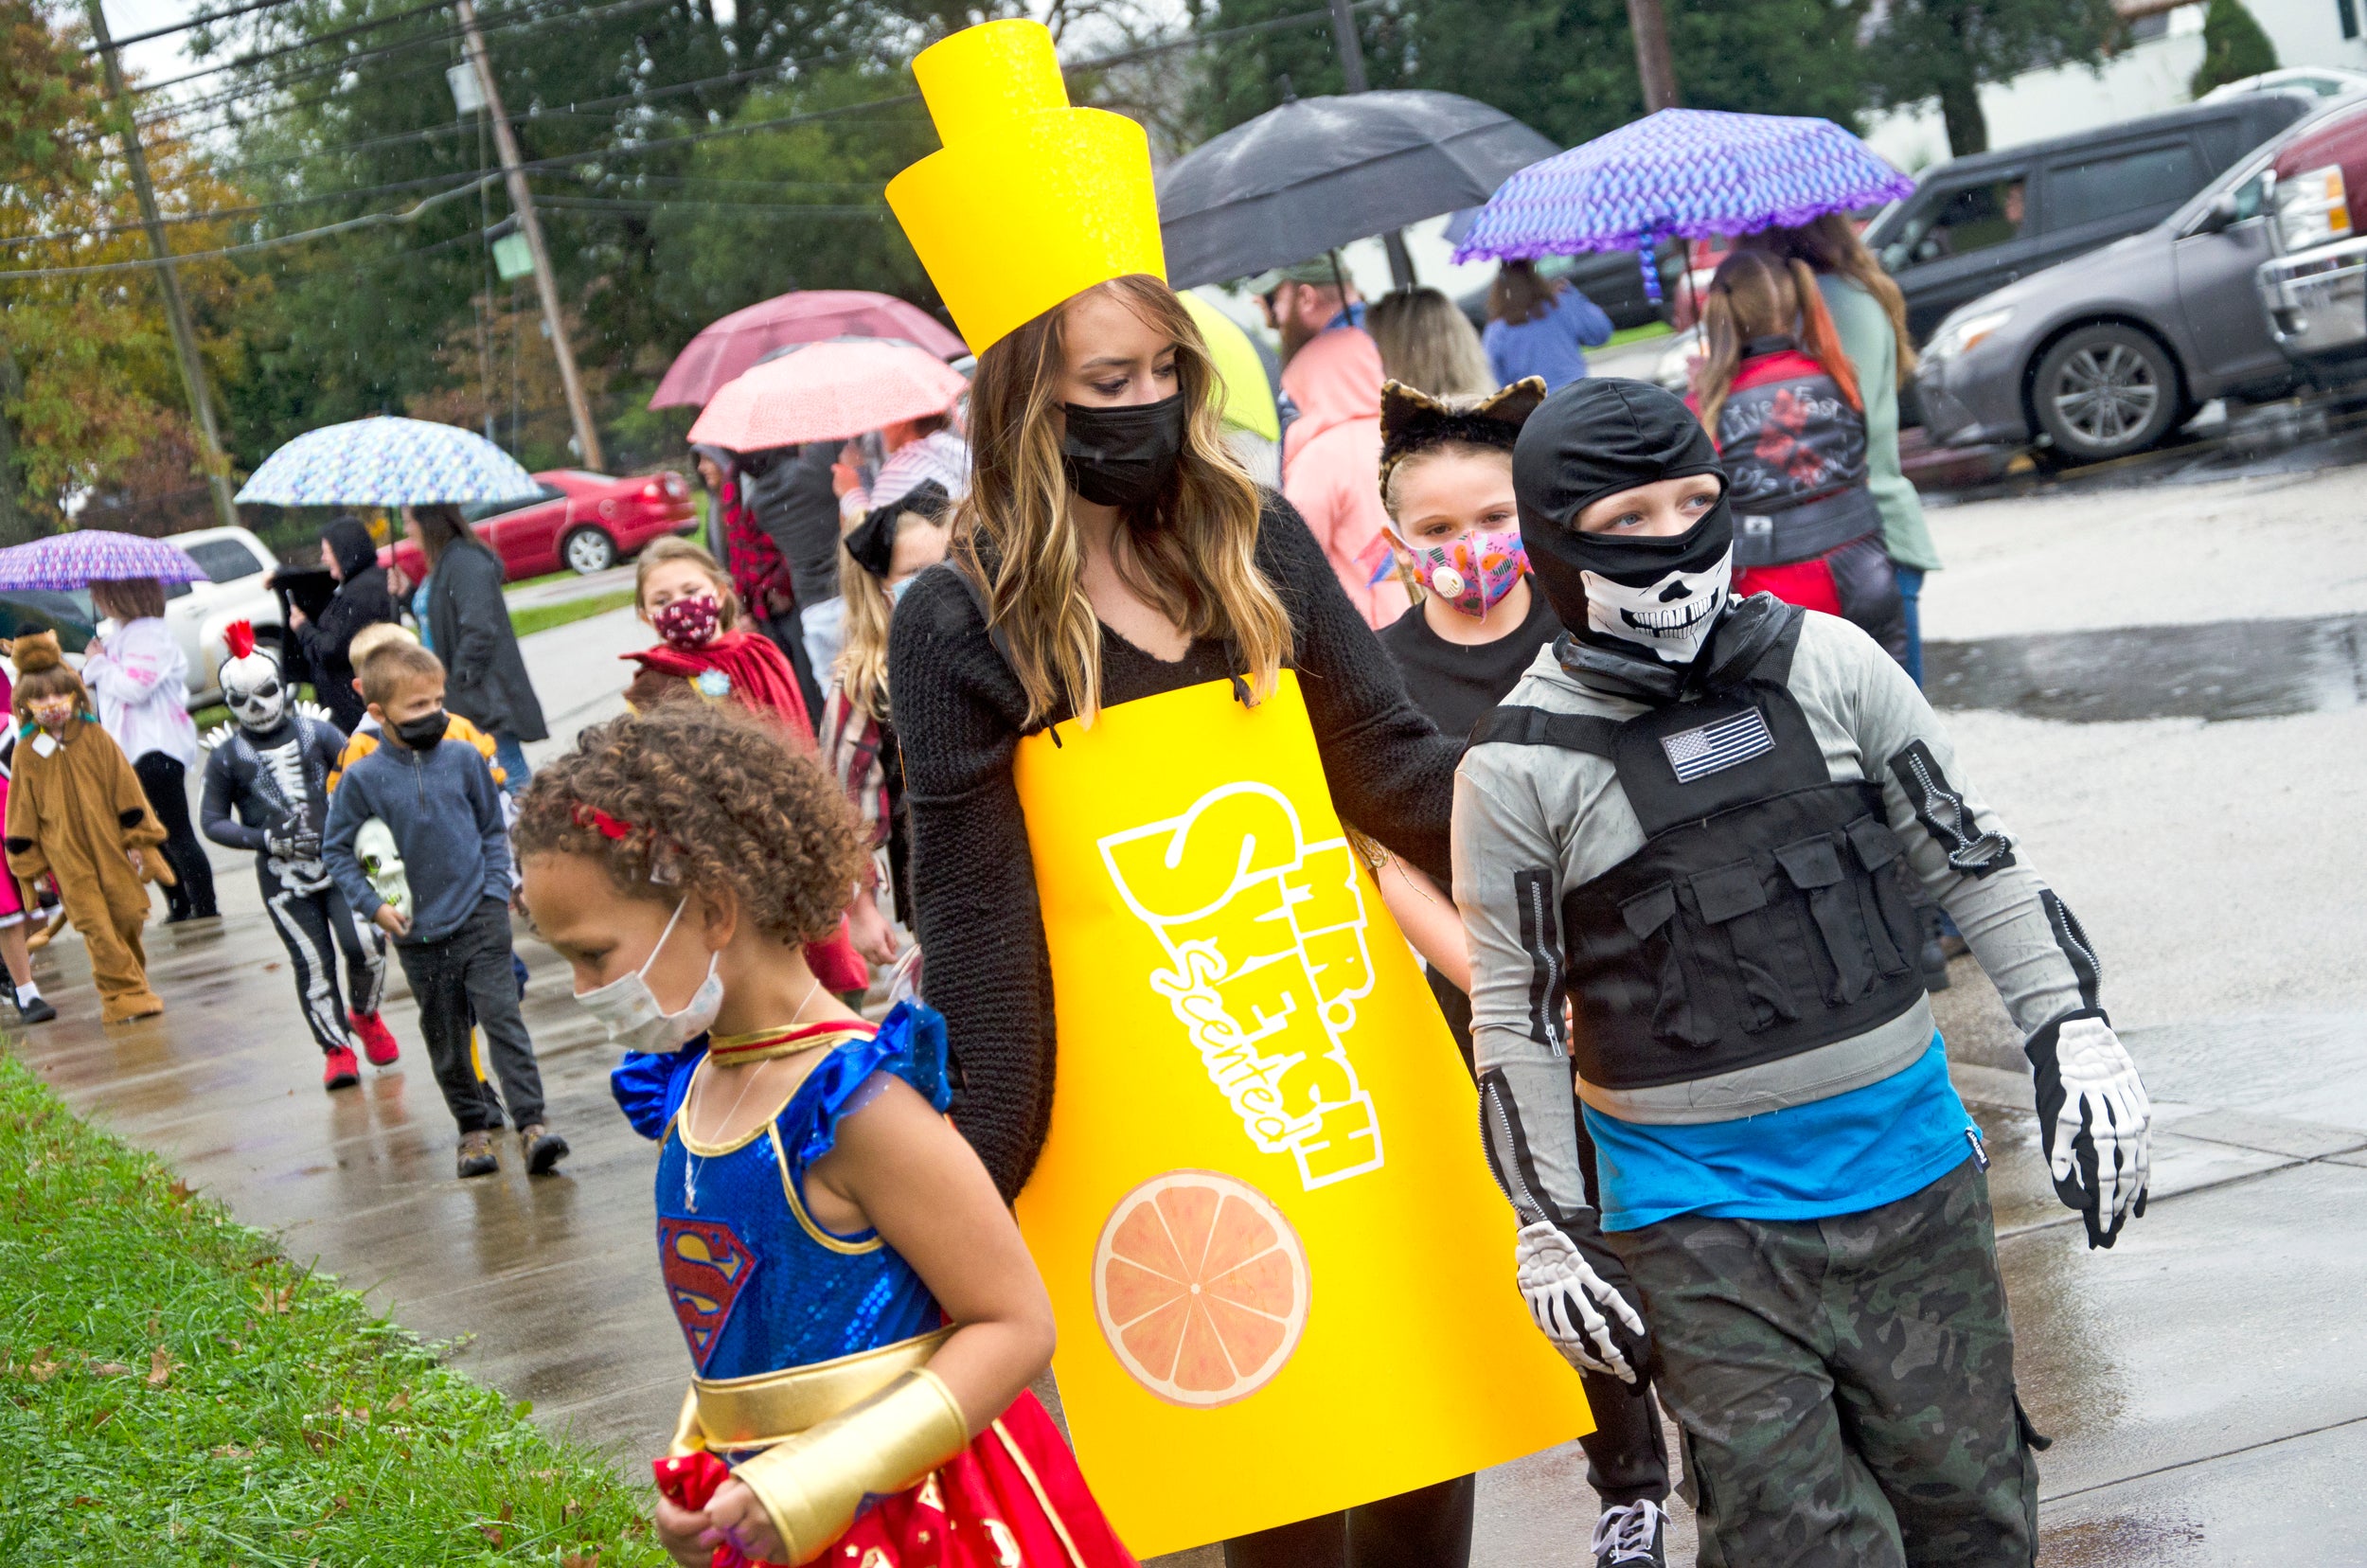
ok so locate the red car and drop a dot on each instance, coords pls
(582, 522)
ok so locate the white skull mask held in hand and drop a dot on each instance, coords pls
(251, 684)
(1670, 617)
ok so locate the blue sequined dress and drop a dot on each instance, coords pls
(757, 1284)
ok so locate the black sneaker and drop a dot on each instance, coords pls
(543, 1148)
(476, 1155)
(36, 1011)
(1631, 1534)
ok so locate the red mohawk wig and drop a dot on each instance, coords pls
(240, 636)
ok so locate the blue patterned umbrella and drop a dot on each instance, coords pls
(387, 462)
(87, 556)
(1680, 173)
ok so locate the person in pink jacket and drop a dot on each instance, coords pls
(1330, 463)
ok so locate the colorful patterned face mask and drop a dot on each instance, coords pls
(688, 622)
(1473, 572)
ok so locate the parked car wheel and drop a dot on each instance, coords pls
(588, 550)
(2106, 391)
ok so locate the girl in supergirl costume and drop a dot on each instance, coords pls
(861, 1316)
(1780, 399)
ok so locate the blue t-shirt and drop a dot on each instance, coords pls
(1843, 1155)
(1554, 346)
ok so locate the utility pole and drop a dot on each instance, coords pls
(579, 409)
(1352, 71)
(1652, 61)
(167, 275)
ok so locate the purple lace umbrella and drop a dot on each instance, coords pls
(1683, 174)
(85, 556)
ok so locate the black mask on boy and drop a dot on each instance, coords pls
(1596, 438)
(1123, 457)
(425, 732)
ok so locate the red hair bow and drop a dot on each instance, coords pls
(608, 827)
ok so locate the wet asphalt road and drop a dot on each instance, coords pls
(2160, 688)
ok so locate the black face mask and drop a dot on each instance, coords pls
(424, 733)
(1123, 457)
(1596, 438)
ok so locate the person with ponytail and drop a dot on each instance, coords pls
(1870, 318)
(1780, 399)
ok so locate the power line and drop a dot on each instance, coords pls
(369, 220)
(568, 161)
(193, 23)
(257, 58)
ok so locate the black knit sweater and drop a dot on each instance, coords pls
(960, 713)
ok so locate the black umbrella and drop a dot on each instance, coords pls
(1316, 173)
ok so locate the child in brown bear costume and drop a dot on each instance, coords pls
(77, 812)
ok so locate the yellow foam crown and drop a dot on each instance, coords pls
(1030, 202)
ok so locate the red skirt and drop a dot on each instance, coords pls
(1012, 1499)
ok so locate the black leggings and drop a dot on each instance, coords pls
(165, 781)
(1428, 1527)
(315, 927)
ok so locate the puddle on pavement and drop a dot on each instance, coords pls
(2223, 669)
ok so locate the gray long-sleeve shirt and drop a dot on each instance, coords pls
(442, 809)
(1524, 808)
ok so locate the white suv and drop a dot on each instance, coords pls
(238, 571)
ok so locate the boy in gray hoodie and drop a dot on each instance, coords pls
(438, 799)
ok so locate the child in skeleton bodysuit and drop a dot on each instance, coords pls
(267, 790)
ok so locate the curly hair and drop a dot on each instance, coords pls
(693, 796)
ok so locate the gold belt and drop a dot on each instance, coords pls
(758, 1411)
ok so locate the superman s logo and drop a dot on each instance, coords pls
(705, 1266)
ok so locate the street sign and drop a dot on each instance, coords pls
(512, 257)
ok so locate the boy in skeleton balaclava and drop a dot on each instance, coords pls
(1703, 821)
(267, 790)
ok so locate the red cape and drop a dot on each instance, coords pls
(760, 676)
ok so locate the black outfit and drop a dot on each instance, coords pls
(465, 979)
(269, 793)
(165, 781)
(362, 599)
(485, 675)
(788, 491)
(1626, 1456)
(960, 713)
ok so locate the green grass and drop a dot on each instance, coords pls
(542, 617)
(174, 1392)
(1637, 335)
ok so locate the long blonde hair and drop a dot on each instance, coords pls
(1755, 295)
(861, 669)
(1192, 555)
(1830, 245)
(1427, 342)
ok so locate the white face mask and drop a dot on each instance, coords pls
(629, 1012)
(1670, 617)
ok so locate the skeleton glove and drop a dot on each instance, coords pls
(1579, 1293)
(2096, 1120)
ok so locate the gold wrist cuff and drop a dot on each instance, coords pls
(812, 1484)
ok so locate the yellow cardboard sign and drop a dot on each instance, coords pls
(1282, 1274)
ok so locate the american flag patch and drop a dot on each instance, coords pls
(1697, 753)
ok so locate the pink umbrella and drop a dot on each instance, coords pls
(727, 347)
(828, 392)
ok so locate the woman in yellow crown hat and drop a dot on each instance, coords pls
(1135, 708)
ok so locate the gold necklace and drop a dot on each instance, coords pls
(752, 1049)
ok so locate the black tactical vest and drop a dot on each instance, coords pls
(1768, 911)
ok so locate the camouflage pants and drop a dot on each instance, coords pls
(1844, 1386)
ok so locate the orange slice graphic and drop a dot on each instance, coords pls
(1201, 1286)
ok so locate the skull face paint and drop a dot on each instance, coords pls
(1670, 617)
(252, 691)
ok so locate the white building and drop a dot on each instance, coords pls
(2146, 77)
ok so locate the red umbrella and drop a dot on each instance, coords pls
(727, 347)
(826, 392)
